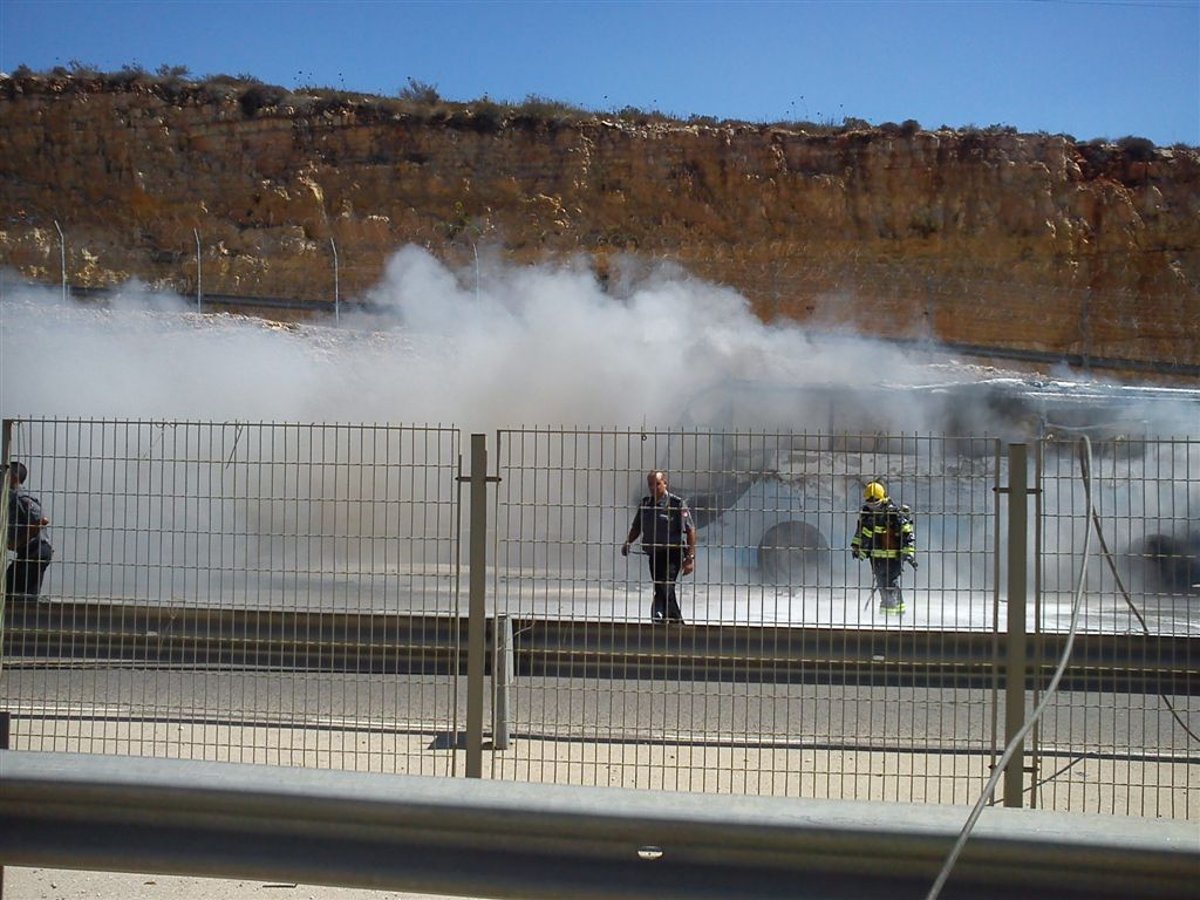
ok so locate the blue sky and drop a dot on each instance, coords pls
(1088, 68)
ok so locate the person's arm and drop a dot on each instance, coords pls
(689, 532)
(689, 559)
(37, 521)
(908, 540)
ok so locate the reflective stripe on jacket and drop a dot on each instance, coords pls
(884, 533)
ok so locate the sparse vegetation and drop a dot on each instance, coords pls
(421, 101)
(77, 69)
(1137, 149)
(420, 93)
(260, 96)
(173, 73)
(488, 116)
(128, 74)
(536, 106)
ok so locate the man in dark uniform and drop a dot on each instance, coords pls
(26, 537)
(668, 534)
(884, 535)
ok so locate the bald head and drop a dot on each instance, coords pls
(656, 483)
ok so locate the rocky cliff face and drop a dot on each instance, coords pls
(1022, 241)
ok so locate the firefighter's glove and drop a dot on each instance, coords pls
(912, 561)
(856, 553)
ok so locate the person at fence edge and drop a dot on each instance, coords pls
(664, 523)
(26, 537)
(885, 535)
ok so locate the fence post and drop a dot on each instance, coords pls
(337, 292)
(199, 273)
(5, 717)
(477, 608)
(6, 430)
(1016, 661)
(1085, 329)
(502, 674)
(62, 259)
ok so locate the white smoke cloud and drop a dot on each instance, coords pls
(525, 345)
(549, 346)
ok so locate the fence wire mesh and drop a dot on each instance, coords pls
(225, 590)
(290, 594)
(743, 698)
(1130, 747)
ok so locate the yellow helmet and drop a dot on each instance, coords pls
(874, 492)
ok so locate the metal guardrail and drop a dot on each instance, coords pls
(498, 839)
(426, 644)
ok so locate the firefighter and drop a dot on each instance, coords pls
(885, 536)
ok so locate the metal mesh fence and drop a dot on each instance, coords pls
(1128, 746)
(234, 591)
(292, 594)
(788, 678)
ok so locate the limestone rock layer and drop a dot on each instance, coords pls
(988, 237)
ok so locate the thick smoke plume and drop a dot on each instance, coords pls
(772, 430)
(521, 345)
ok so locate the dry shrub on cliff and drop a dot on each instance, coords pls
(638, 116)
(487, 116)
(1137, 149)
(420, 93)
(173, 73)
(539, 107)
(79, 69)
(260, 96)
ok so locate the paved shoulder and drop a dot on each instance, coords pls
(69, 884)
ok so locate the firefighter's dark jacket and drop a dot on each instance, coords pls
(885, 532)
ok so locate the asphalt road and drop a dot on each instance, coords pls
(699, 712)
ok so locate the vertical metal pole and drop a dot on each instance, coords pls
(337, 300)
(199, 292)
(6, 430)
(1085, 328)
(62, 258)
(477, 609)
(1017, 662)
(930, 332)
(1038, 641)
(475, 250)
(502, 680)
(5, 726)
(5, 447)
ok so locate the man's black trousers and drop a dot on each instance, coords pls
(665, 563)
(23, 580)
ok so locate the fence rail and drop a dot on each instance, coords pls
(48, 634)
